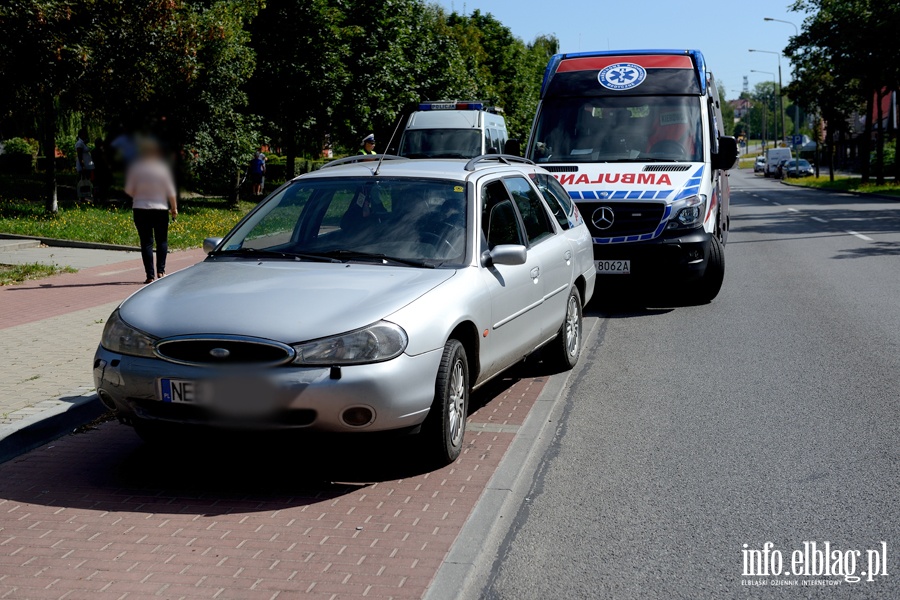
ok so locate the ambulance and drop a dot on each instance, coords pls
(636, 138)
(454, 129)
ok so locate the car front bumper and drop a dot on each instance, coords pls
(398, 393)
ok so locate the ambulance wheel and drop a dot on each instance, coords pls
(709, 285)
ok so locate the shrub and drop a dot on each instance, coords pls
(19, 155)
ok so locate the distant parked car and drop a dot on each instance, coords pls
(361, 297)
(798, 168)
(760, 165)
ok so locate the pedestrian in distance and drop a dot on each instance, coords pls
(84, 166)
(103, 173)
(150, 184)
(257, 171)
(368, 145)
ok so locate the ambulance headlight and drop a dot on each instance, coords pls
(691, 215)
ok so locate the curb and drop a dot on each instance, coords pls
(467, 567)
(70, 243)
(35, 431)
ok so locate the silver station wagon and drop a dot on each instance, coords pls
(368, 296)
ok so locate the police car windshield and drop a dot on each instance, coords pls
(441, 143)
(622, 129)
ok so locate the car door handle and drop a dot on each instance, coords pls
(568, 255)
(535, 273)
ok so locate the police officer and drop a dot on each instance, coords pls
(368, 145)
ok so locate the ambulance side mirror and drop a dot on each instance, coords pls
(727, 156)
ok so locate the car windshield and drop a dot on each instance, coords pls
(608, 129)
(441, 143)
(419, 222)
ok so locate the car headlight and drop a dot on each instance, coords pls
(692, 215)
(376, 343)
(119, 336)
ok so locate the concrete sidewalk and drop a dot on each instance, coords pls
(49, 329)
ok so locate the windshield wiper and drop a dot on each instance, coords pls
(264, 253)
(346, 255)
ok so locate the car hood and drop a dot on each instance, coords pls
(284, 301)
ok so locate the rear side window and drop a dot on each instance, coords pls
(534, 215)
(558, 200)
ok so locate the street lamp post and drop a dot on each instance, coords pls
(796, 107)
(767, 108)
(780, 101)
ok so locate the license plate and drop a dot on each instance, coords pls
(182, 391)
(613, 267)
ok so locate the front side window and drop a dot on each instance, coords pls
(613, 129)
(499, 222)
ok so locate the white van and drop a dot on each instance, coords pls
(773, 157)
(453, 129)
(636, 138)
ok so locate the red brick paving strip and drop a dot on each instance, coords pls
(97, 516)
(53, 296)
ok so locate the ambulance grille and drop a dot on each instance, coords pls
(630, 218)
(667, 168)
(569, 169)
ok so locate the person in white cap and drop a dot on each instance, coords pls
(368, 145)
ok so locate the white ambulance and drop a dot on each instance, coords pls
(453, 129)
(636, 138)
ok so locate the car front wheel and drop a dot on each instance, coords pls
(445, 425)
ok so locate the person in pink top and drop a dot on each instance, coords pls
(150, 184)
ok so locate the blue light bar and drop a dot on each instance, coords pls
(451, 105)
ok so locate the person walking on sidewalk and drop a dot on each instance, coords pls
(151, 186)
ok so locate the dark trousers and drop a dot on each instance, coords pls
(153, 223)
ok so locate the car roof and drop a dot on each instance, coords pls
(452, 169)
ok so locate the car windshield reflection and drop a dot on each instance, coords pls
(416, 222)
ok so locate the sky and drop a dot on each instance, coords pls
(723, 30)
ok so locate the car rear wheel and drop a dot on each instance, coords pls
(566, 348)
(445, 425)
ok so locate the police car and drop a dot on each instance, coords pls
(454, 129)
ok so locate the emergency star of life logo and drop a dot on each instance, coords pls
(622, 76)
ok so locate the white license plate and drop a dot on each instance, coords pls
(182, 391)
(613, 267)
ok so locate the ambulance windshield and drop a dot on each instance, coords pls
(630, 129)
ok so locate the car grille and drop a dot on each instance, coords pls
(630, 218)
(224, 351)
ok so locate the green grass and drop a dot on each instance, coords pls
(848, 184)
(114, 224)
(13, 274)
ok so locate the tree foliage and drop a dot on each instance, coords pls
(844, 58)
(215, 78)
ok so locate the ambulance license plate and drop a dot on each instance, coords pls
(613, 267)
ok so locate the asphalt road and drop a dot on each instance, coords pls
(699, 433)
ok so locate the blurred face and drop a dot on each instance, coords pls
(370, 145)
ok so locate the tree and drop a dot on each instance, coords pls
(856, 42)
(45, 51)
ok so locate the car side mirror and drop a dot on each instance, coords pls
(505, 254)
(727, 156)
(211, 243)
(513, 147)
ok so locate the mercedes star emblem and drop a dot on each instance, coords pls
(603, 217)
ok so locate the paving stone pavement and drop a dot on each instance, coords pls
(99, 515)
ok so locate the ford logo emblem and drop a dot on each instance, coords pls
(220, 353)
